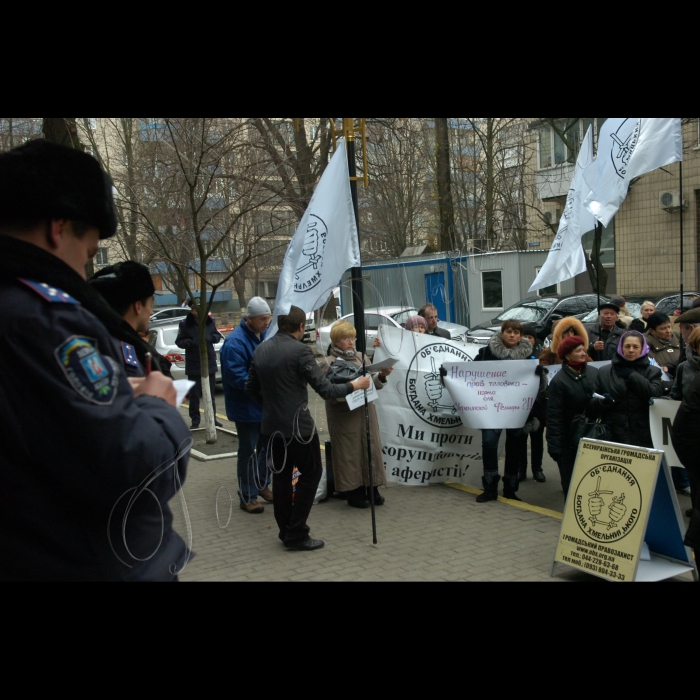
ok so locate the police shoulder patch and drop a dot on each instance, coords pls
(49, 293)
(94, 376)
(129, 352)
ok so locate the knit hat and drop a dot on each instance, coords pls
(43, 180)
(530, 329)
(636, 334)
(416, 321)
(257, 306)
(123, 284)
(568, 345)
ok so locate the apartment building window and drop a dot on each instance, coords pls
(102, 257)
(607, 247)
(553, 150)
(492, 290)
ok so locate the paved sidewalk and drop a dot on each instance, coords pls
(437, 533)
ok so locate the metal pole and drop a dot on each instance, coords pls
(682, 261)
(597, 237)
(358, 300)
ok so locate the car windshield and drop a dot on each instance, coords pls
(529, 312)
(403, 316)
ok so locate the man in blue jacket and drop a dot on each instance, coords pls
(236, 358)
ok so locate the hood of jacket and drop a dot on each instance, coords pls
(522, 351)
(191, 320)
(565, 325)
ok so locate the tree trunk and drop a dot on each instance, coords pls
(62, 130)
(444, 184)
(490, 185)
(239, 285)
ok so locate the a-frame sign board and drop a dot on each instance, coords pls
(620, 498)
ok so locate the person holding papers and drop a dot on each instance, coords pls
(629, 384)
(348, 429)
(509, 344)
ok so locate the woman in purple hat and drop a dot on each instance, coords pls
(629, 385)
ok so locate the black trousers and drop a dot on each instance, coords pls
(566, 465)
(293, 501)
(196, 396)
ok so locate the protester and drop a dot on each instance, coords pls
(570, 395)
(625, 316)
(417, 324)
(236, 357)
(348, 429)
(629, 385)
(281, 369)
(606, 334)
(687, 323)
(430, 314)
(663, 346)
(506, 345)
(128, 288)
(539, 412)
(640, 324)
(566, 328)
(188, 339)
(79, 443)
(686, 442)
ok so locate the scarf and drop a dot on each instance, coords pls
(19, 259)
(577, 366)
(345, 354)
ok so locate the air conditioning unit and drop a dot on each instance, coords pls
(671, 201)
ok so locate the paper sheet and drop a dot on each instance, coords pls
(183, 387)
(381, 366)
(357, 398)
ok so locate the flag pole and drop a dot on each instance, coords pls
(682, 233)
(358, 305)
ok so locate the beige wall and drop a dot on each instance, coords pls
(648, 237)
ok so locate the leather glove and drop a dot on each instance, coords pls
(607, 400)
(540, 370)
(443, 371)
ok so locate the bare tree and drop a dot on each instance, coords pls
(444, 184)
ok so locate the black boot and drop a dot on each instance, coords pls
(490, 481)
(378, 500)
(510, 487)
(358, 498)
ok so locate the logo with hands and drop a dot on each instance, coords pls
(608, 503)
(308, 272)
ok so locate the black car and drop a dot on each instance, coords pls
(540, 311)
(666, 303)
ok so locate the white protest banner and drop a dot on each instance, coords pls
(324, 246)
(555, 369)
(661, 417)
(423, 439)
(493, 395)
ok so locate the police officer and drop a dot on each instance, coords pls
(128, 288)
(88, 462)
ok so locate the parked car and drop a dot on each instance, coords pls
(163, 336)
(666, 303)
(310, 329)
(390, 316)
(541, 311)
(173, 313)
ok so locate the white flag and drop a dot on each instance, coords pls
(325, 245)
(628, 148)
(566, 258)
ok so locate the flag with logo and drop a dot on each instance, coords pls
(325, 245)
(629, 148)
(566, 258)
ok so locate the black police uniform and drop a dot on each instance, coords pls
(77, 446)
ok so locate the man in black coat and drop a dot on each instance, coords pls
(430, 314)
(605, 335)
(78, 444)
(281, 370)
(188, 339)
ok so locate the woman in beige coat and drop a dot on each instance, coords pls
(348, 429)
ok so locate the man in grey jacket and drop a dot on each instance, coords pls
(605, 336)
(281, 370)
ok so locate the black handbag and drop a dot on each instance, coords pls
(342, 372)
(582, 428)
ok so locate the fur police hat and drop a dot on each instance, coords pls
(43, 180)
(124, 284)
